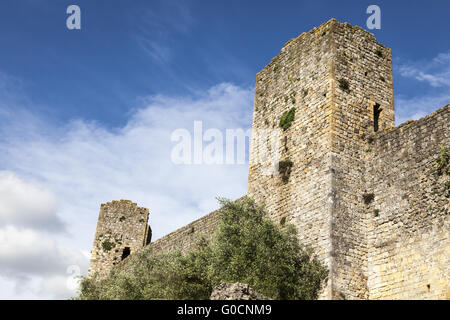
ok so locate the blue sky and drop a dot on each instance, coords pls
(86, 115)
(127, 50)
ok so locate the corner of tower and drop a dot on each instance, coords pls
(122, 229)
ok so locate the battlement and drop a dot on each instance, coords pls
(360, 191)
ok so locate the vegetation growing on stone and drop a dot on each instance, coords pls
(284, 168)
(379, 53)
(344, 85)
(443, 165)
(287, 118)
(368, 198)
(248, 248)
(305, 92)
(108, 245)
(442, 162)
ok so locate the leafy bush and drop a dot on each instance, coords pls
(248, 247)
(251, 249)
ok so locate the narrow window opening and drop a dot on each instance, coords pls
(125, 252)
(376, 116)
(428, 287)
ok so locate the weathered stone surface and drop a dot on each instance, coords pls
(122, 229)
(235, 291)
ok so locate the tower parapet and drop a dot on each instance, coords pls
(122, 229)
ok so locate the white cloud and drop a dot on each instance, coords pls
(26, 252)
(68, 171)
(27, 204)
(413, 108)
(34, 263)
(435, 72)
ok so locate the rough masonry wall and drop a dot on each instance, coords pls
(122, 229)
(409, 225)
(298, 77)
(187, 237)
(333, 75)
(362, 77)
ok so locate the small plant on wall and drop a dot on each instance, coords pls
(284, 168)
(344, 85)
(368, 198)
(107, 245)
(287, 118)
(443, 165)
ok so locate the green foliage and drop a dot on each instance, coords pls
(379, 53)
(168, 276)
(284, 168)
(344, 85)
(107, 245)
(368, 198)
(442, 162)
(305, 92)
(443, 165)
(287, 118)
(251, 249)
(248, 247)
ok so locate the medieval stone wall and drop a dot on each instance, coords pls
(298, 77)
(409, 224)
(187, 237)
(362, 78)
(334, 76)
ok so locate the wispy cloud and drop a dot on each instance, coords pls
(158, 27)
(57, 176)
(413, 108)
(435, 73)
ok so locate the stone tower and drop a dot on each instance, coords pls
(122, 229)
(339, 80)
